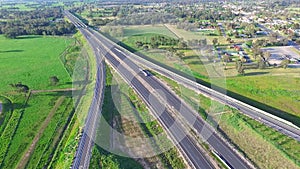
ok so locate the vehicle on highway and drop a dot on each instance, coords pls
(146, 73)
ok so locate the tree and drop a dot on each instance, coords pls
(215, 41)
(139, 44)
(228, 40)
(240, 67)
(261, 64)
(20, 87)
(180, 54)
(285, 63)
(54, 80)
(266, 55)
(182, 45)
(226, 59)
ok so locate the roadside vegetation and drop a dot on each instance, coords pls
(76, 58)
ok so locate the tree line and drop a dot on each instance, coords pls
(48, 21)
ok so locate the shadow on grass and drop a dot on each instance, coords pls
(62, 93)
(255, 73)
(11, 51)
(28, 37)
(18, 106)
(80, 82)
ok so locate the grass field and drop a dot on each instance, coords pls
(32, 60)
(147, 29)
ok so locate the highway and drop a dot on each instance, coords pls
(277, 123)
(192, 153)
(84, 149)
(174, 102)
(82, 158)
(130, 71)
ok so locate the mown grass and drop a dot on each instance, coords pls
(264, 146)
(32, 117)
(50, 138)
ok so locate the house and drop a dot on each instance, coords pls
(237, 48)
(261, 33)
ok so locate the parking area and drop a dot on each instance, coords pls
(277, 52)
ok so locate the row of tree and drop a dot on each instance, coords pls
(48, 21)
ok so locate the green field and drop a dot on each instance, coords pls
(32, 60)
(39, 122)
(147, 29)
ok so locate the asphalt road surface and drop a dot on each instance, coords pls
(84, 149)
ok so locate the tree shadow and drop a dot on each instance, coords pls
(191, 57)
(79, 82)
(19, 106)
(255, 73)
(28, 37)
(11, 51)
(196, 63)
(61, 93)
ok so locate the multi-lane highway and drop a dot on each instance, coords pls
(175, 103)
(189, 148)
(84, 149)
(130, 71)
(266, 118)
(214, 140)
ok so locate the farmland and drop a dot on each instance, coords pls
(33, 123)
